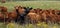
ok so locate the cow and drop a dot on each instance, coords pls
(44, 16)
(21, 13)
(33, 17)
(57, 13)
(12, 16)
(3, 9)
(51, 17)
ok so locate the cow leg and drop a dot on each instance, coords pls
(22, 20)
(27, 19)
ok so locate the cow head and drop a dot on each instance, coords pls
(3, 9)
(58, 12)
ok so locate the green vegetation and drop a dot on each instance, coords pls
(34, 4)
(39, 25)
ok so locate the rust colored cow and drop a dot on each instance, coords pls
(3, 9)
(57, 13)
(12, 16)
(33, 17)
(51, 17)
(44, 15)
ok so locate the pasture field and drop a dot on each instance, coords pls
(35, 4)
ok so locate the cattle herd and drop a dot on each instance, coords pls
(24, 15)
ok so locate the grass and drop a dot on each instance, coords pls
(35, 4)
(39, 25)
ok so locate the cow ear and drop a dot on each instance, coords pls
(24, 7)
(31, 8)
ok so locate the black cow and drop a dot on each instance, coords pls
(21, 17)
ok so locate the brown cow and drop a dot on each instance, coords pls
(51, 16)
(12, 16)
(44, 15)
(3, 9)
(33, 17)
(4, 12)
(57, 13)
